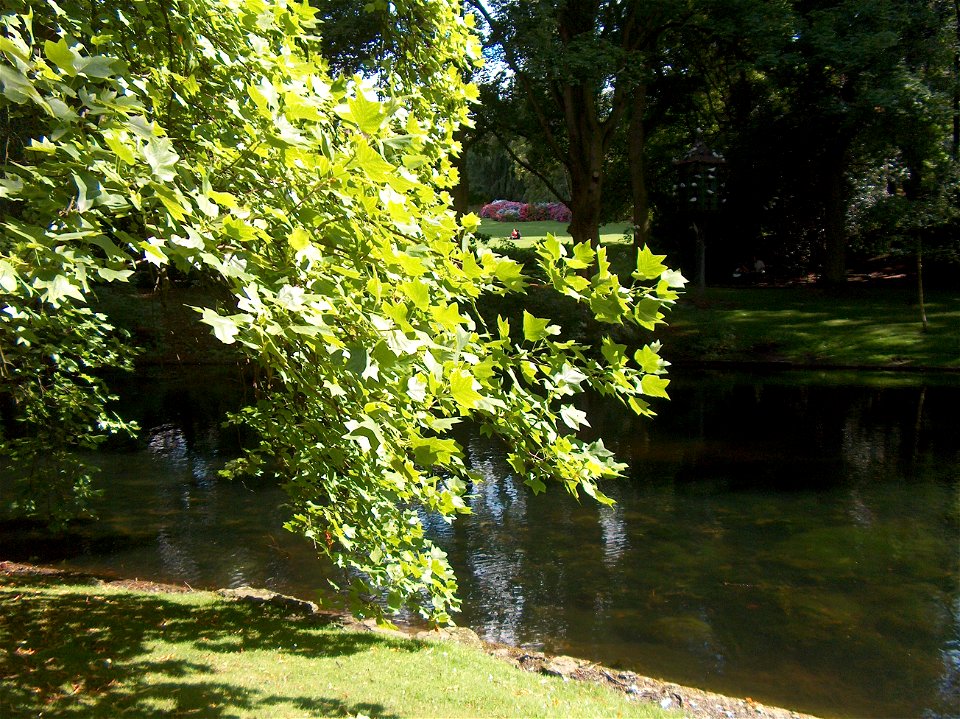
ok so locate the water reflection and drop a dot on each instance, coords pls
(782, 538)
(798, 545)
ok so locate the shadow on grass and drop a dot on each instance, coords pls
(95, 655)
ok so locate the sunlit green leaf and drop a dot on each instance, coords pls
(536, 329)
(654, 386)
(649, 265)
(463, 389)
(62, 55)
(224, 328)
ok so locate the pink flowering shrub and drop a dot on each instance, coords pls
(509, 211)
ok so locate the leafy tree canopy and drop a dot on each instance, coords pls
(210, 136)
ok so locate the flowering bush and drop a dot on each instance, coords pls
(509, 211)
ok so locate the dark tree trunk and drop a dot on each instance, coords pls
(638, 174)
(586, 154)
(956, 87)
(913, 190)
(835, 238)
(587, 186)
(461, 192)
(834, 179)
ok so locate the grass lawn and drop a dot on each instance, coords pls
(859, 327)
(75, 649)
(530, 232)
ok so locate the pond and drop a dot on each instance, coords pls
(791, 537)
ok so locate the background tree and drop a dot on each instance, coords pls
(850, 86)
(567, 77)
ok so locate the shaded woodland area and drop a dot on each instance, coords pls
(837, 122)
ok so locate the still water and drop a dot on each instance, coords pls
(791, 537)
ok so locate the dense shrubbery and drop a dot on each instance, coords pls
(509, 211)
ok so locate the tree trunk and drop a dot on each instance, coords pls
(835, 213)
(956, 87)
(699, 231)
(586, 188)
(586, 156)
(461, 192)
(923, 306)
(638, 176)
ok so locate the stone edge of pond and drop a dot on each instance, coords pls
(692, 702)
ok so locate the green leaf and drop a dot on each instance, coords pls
(98, 66)
(417, 292)
(647, 313)
(536, 329)
(119, 144)
(8, 277)
(429, 451)
(550, 248)
(648, 360)
(299, 239)
(447, 316)
(176, 206)
(463, 389)
(639, 406)
(649, 265)
(364, 113)
(654, 386)
(673, 278)
(17, 88)
(510, 273)
(224, 328)
(614, 353)
(61, 55)
(58, 288)
(370, 162)
(470, 222)
(88, 189)
(608, 308)
(161, 157)
(573, 417)
(114, 275)
(603, 265)
(536, 484)
(583, 256)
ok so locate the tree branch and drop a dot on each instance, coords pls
(530, 168)
(497, 38)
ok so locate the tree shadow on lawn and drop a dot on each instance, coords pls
(84, 655)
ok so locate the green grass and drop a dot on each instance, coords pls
(72, 649)
(860, 327)
(531, 232)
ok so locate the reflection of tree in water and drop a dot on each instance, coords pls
(950, 684)
(614, 532)
(494, 563)
(207, 530)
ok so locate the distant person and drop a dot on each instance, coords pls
(515, 235)
(758, 266)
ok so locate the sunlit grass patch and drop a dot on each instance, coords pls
(82, 650)
(532, 232)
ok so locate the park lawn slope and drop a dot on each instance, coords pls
(76, 648)
(861, 327)
(532, 232)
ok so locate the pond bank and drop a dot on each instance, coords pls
(688, 701)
